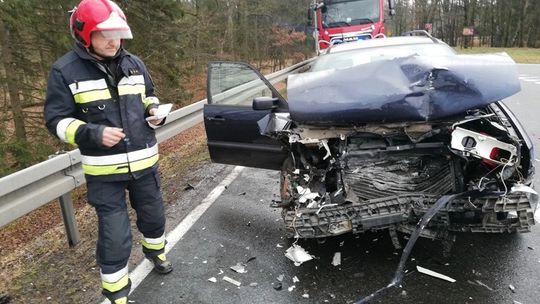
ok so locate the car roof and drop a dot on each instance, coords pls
(381, 42)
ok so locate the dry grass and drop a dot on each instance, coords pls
(520, 55)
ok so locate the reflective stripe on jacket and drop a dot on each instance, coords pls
(84, 97)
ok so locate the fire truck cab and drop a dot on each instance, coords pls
(339, 21)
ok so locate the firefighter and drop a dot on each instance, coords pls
(99, 97)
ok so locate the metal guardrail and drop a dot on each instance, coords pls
(28, 189)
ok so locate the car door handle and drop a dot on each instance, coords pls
(216, 118)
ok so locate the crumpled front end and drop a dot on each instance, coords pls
(386, 176)
(413, 88)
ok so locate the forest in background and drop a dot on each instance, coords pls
(177, 38)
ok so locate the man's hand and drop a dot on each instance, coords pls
(155, 122)
(111, 136)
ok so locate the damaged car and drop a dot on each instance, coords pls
(373, 133)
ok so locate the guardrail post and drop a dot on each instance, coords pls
(68, 216)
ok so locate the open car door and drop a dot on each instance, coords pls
(232, 123)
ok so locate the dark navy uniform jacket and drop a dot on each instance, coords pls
(84, 97)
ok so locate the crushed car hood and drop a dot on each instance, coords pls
(414, 88)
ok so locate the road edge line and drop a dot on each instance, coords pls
(143, 269)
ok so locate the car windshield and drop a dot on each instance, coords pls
(344, 13)
(346, 59)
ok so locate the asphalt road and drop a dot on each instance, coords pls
(239, 226)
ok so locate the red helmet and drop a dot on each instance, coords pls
(98, 15)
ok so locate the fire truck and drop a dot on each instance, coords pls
(338, 21)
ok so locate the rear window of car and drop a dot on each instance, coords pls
(346, 59)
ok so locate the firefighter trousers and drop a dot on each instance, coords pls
(114, 235)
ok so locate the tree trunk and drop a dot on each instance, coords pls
(13, 86)
(229, 32)
(522, 22)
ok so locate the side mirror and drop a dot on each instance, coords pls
(265, 103)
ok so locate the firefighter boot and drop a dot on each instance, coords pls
(117, 296)
(161, 265)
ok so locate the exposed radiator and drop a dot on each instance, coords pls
(370, 179)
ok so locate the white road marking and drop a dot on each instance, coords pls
(143, 269)
(528, 78)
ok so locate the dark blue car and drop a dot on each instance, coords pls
(374, 132)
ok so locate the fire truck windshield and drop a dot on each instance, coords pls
(337, 13)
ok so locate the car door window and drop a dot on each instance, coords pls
(232, 83)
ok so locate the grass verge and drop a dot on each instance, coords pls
(520, 55)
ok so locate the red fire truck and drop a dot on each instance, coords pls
(338, 21)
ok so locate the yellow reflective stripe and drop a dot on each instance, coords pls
(121, 168)
(150, 100)
(144, 163)
(131, 89)
(116, 286)
(123, 300)
(72, 129)
(158, 246)
(105, 170)
(87, 97)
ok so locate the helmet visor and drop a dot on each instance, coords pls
(117, 34)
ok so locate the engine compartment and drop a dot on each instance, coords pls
(386, 176)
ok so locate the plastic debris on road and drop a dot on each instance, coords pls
(298, 255)
(435, 274)
(232, 281)
(336, 261)
(240, 268)
(480, 283)
(483, 284)
(212, 279)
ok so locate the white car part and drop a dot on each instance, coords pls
(483, 146)
(435, 274)
(324, 144)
